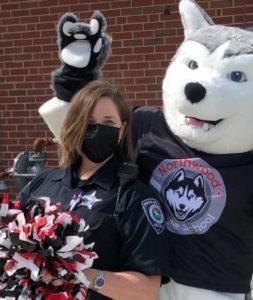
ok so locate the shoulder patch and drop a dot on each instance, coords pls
(154, 214)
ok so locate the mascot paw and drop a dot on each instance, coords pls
(82, 44)
(83, 49)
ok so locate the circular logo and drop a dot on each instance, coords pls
(194, 194)
(156, 214)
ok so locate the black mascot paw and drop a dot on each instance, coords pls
(83, 49)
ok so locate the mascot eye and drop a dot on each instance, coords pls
(237, 76)
(193, 65)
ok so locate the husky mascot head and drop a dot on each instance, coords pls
(185, 196)
(207, 90)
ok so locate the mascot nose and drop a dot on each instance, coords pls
(194, 92)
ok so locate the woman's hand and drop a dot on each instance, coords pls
(47, 277)
(126, 285)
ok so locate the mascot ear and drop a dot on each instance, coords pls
(193, 17)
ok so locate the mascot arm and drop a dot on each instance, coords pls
(83, 50)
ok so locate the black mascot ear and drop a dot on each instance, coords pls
(97, 22)
(65, 28)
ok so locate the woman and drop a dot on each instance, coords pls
(124, 215)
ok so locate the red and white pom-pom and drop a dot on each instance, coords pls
(42, 240)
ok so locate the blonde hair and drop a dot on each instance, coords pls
(78, 116)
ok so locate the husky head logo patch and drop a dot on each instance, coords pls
(194, 194)
(186, 196)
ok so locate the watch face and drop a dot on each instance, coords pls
(100, 282)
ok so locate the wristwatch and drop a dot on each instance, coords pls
(99, 281)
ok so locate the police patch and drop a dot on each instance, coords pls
(154, 214)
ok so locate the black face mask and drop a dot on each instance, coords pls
(100, 142)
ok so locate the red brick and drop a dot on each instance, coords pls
(138, 65)
(133, 43)
(32, 49)
(109, 66)
(132, 27)
(122, 51)
(146, 80)
(17, 28)
(11, 65)
(20, 113)
(122, 35)
(58, 10)
(30, 34)
(32, 63)
(5, 14)
(143, 34)
(155, 57)
(154, 72)
(152, 26)
(16, 148)
(46, 3)
(221, 3)
(137, 103)
(23, 85)
(15, 120)
(134, 73)
(48, 33)
(19, 13)
(39, 11)
(25, 5)
(137, 88)
(12, 50)
(153, 9)
(34, 78)
(121, 20)
(17, 134)
(45, 26)
(154, 41)
(35, 92)
(223, 20)
(121, 3)
(142, 2)
(22, 57)
(132, 11)
(29, 19)
(146, 49)
(11, 36)
(25, 127)
(134, 57)
(10, 21)
(14, 79)
(23, 42)
(137, 19)
(9, 7)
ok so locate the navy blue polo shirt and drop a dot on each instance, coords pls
(136, 240)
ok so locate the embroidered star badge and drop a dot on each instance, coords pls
(88, 200)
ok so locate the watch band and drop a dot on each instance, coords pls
(99, 281)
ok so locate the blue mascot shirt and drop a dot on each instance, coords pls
(209, 205)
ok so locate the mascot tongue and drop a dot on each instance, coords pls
(195, 122)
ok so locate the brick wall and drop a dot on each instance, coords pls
(145, 35)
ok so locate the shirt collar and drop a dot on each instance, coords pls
(105, 177)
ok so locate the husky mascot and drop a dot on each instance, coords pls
(197, 152)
